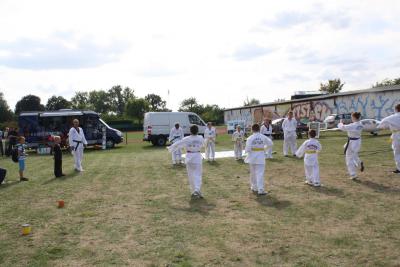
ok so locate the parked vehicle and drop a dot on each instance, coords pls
(277, 132)
(231, 125)
(370, 125)
(333, 120)
(39, 126)
(157, 125)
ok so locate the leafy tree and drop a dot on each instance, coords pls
(191, 105)
(332, 86)
(213, 113)
(100, 101)
(81, 100)
(5, 112)
(156, 103)
(119, 97)
(251, 102)
(136, 108)
(29, 103)
(57, 102)
(387, 82)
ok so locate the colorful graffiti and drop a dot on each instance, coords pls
(374, 105)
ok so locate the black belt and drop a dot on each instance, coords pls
(78, 142)
(269, 135)
(348, 142)
(193, 151)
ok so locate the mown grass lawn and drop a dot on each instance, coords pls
(131, 207)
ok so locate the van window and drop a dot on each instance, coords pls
(193, 119)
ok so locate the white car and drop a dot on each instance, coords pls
(370, 125)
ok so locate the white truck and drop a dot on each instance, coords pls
(157, 125)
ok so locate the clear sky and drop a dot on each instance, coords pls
(217, 51)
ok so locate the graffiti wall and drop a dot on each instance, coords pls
(370, 105)
(374, 105)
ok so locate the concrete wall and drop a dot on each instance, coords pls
(376, 105)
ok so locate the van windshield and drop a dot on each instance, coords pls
(103, 122)
(193, 119)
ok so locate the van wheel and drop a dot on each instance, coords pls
(161, 141)
(110, 143)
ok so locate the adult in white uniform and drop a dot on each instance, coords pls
(255, 148)
(393, 123)
(175, 135)
(353, 145)
(310, 149)
(266, 129)
(194, 161)
(289, 127)
(77, 142)
(237, 138)
(210, 135)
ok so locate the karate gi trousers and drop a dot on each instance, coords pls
(257, 177)
(194, 171)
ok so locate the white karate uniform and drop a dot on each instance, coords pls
(238, 138)
(255, 148)
(174, 136)
(289, 133)
(393, 123)
(77, 142)
(267, 131)
(353, 145)
(194, 161)
(210, 136)
(310, 149)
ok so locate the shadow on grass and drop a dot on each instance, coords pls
(8, 184)
(272, 202)
(201, 206)
(378, 187)
(329, 191)
(213, 163)
(154, 147)
(63, 178)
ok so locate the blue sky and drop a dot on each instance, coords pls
(220, 52)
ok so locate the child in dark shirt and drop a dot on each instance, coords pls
(57, 157)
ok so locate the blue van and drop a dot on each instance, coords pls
(39, 126)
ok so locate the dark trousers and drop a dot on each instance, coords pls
(58, 168)
(1, 148)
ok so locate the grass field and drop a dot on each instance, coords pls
(131, 207)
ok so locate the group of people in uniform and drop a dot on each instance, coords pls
(258, 147)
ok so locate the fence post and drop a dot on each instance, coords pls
(126, 138)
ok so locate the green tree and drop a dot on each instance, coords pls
(251, 102)
(81, 101)
(136, 108)
(57, 102)
(119, 97)
(100, 101)
(213, 113)
(332, 86)
(191, 105)
(156, 103)
(5, 111)
(387, 82)
(29, 103)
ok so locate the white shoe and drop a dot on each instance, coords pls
(262, 193)
(354, 177)
(317, 185)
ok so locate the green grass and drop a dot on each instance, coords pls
(131, 207)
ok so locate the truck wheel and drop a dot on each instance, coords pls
(110, 143)
(161, 141)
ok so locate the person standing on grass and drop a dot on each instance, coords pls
(392, 122)
(353, 145)
(1, 143)
(266, 129)
(210, 135)
(21, 148)
(77, 143)
(57, 157)
(238, 138)
(310, 149)
(289, 127)
(194, 161)
(255, 148)
(12, 140)
(175, 135)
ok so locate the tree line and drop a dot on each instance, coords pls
(116, 103)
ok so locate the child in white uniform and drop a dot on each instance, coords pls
(266, 129)
(194, 160)
(210, 135)
(353, 145)
(393, 123)
(237, 138)
(255, 148)
(175, 135)
(310, 149)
